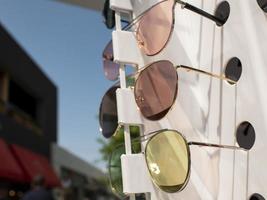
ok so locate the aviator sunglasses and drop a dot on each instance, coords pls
(168, 160)
(156, 87)
(155, 91)
(154, 29)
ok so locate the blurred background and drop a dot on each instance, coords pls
(51, 85)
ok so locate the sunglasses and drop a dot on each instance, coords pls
(111, 69)
(159, 18)
(155, 26)
(155, 91)
(156, 87)
(114, 168)
(167, 156)
(108, 116)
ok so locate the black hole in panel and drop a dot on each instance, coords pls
(256, 197)
(233, 69)
(222, 12)
(245, 135)
(263, 4)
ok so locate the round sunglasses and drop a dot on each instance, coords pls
(114, 168)
(155, 91)
(167, 156)
(156, 87)
(108, 116)
(155, 26)
(153, 42)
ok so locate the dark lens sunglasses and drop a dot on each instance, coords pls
(108, 116)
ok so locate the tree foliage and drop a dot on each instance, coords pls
(109, 145)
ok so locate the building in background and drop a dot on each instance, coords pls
(28, 119)
(28, 128)
(79, 179)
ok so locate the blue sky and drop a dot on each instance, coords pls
(67, 43)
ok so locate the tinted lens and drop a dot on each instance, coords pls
(108, 117)
(156, 89)
(168, 160)
(155, 27)
(115, 171)
(111, 69)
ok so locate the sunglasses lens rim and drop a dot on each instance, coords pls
(158, 145)
(108, 116)
(160, 71)
(150, 18)
(116, 184)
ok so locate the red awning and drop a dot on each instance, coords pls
(35, 164)
(9, 167)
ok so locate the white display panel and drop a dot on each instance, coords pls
(208, 109)
(127, 110)
(121, 6)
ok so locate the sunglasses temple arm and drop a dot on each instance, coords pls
(201, 12)
(216, 145)
(206, 73)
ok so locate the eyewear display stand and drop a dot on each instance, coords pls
(127, 113)
(135, 181)
(129, 54)
(215, 174)
(134, 172)
(135, 175)
(121, 6)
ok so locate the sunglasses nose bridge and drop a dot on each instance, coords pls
(108, 57)
(140, 42)
(140, 99)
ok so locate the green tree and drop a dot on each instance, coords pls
(109, 145)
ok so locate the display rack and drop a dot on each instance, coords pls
(206, 109)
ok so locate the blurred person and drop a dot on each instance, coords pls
(38, 191)
(3, 192)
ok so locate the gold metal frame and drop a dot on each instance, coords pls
(148, 137)
(184, 5)
(188, 153)
(187, 68)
